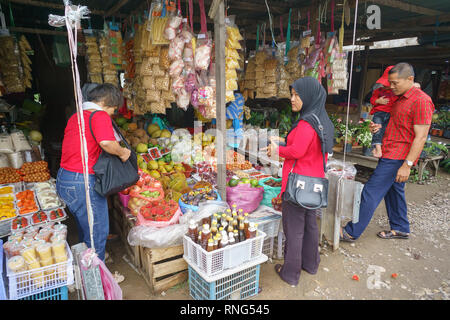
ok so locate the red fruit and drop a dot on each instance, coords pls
(355, 277)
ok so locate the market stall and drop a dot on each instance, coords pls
(207, 205)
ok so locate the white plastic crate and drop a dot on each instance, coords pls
(280, 240)
(214, 262)
(30, 282)
(269, 225)
(268, 247)
(234, 284)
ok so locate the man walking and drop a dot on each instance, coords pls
(403, 142)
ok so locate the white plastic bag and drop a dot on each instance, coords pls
(203, 54)
(20, 142)
(6, 144)
(151, 237)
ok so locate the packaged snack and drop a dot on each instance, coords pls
(17, 264)
(203, 54)
(176, 68)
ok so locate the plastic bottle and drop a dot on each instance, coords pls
(214, 228)
(246, 222)
(235, 223)
(210, 246)
(192, 231)
(236, 235)
(231, 239)
(215, 218)
(228, 212)
(240, 213)
(224, 242)
(223, 219)
(205, 232)
(242, 232)
(251, 232)
(199, 238)
(216, 243)
(230, 228)
(234, 209)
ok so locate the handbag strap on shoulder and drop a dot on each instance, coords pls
(322, 144)
(115, 128)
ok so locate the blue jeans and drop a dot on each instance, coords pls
(382, 185)
(70, 188)
(382, 118)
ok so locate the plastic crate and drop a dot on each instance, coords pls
(268, 247)
(280, 240)
(60, 293)
(236, 284)
(32, 282)
(269, 225)
(2, 283)
(214, 262)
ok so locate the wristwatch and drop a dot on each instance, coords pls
(409, 163)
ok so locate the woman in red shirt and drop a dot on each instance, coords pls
(105, 99)
(304, 148)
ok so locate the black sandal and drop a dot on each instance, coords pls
(389, 235)
(346, 237)
(278, 270)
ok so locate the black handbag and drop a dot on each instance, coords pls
(111, 173)
(308, 192)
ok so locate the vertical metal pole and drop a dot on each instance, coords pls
(219, 36)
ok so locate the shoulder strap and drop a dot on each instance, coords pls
(114, 127)
(322, 144)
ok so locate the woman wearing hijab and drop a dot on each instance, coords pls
(304, 148)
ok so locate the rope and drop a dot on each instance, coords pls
(72, 18)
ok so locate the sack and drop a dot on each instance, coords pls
(269, 192)
(308, 192)
(111, 174)
(245, 197)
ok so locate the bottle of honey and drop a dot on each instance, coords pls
(241, 232)
(192, 231)
(236, 235)
(251, 231)
(210, 246)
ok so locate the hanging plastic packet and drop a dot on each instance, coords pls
(202, 57)
(173, 27)
(176, 47)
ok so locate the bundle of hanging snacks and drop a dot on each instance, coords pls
(109, 71)
(24, 47)
(270, 77)
(10, 65)
(94, 60)
(260, 58)
(250, 79)
(232, 58)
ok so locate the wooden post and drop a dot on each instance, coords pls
(218, 13)
(362, 83)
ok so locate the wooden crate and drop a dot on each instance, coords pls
(122, 223)
(163, 268)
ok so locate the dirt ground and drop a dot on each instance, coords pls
(422, 263)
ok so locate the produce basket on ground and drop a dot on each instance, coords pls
(235, 284)
(214, 262)
(185, 206)
(270, 191)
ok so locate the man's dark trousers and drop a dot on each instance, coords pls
(382, 185)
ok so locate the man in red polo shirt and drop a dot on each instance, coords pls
(403, 142)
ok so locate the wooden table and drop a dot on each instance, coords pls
(421, 165)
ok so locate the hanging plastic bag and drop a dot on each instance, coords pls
(177, 84)
(269, 191)
(176, 68)
(176, 47)
(111, 289)
(152, 237)
(203, 52)
(189, 82)
(182, 98)
(172, 27)
(336, 167)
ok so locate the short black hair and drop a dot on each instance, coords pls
(403, 69)
(107, 93)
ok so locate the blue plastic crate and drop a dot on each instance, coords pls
(60, 293)
(240, 285)
(2, 273)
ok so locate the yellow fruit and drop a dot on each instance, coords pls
(156, 134)
(165, 134)
(152, 128)
(155, 174)
(153, 164)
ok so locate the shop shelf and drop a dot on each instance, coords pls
(236, 284)
(214, 262)
(60, 293)
(36, 281)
